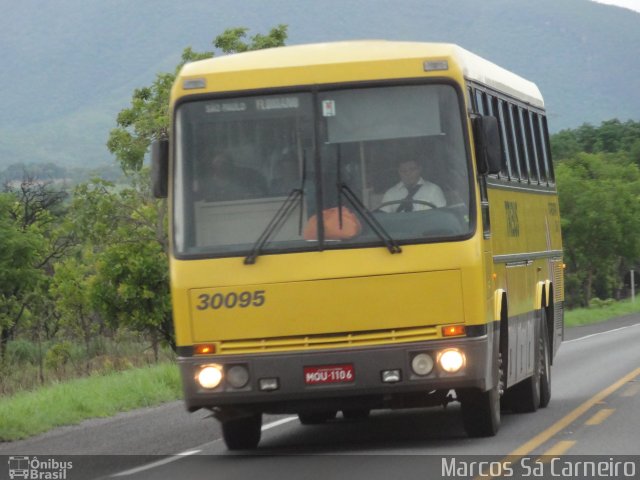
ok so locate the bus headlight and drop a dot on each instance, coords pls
(451, 360)
(209, 376)
(238, 376)
(422, 364)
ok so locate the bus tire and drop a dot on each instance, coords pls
(242, 433)
(545, 363)
(481, 411)
(524, 397)
(316, 418)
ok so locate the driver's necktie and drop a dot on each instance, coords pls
(407, 202)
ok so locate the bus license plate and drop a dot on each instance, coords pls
(321, 375)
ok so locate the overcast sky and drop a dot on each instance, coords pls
(632, 4)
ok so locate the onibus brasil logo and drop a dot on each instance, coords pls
(35, 469)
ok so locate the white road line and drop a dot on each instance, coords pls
(277, 423)
(159, 463)
(601, 333)
(178, 456)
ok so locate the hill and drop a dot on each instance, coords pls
(69, 66)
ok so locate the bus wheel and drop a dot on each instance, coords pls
(524, 397)
(316, 418)
(356, 413)
(481, 411)
(242, 433)
(545, 364)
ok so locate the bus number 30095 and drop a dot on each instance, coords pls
(231, 300)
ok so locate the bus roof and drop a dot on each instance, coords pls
(472, 66)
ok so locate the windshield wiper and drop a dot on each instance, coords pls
(378, 229)
(274, 224)
(281, 215)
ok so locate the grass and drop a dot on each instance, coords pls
(29, 413)
(598, 313)
(29, 366)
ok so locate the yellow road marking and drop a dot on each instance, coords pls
(571, 417)
(560, 447)
(600, 416)
(564, 422)
(631, 391)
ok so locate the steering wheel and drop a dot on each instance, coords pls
(398, 202)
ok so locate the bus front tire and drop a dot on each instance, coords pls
(242, 433)
(481, 411)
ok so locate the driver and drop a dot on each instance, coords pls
(400, 197)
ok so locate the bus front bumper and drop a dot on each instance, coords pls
(341, 378)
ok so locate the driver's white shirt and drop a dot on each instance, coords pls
(428, 192)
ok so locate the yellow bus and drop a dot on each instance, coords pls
(356, 226)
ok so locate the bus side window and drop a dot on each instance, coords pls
(529, 148)
(485, 103)
(507, 123)
(519, 141)
(537, 145)
(547, 149)
(481, 102)
(494, 110)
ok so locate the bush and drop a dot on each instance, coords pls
(58, 357)
(599, 303)
(28, 366)
(21, 351)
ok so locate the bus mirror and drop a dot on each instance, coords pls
(160, 167)
(488, 146)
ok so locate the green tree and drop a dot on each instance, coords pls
(565, 145)
(18, 274)
(126, 243)
(600, 208)
(233, 39)
(32, 239)
(73, 298)
(612, 136)
(131, 288)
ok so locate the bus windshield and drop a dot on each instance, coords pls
(398, 152)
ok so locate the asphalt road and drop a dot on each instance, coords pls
(594, 410)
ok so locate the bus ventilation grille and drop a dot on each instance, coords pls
(339, 340)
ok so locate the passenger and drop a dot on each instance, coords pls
(228, 181)
(288, 176)
(412, 192)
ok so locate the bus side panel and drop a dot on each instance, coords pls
(527, 250)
